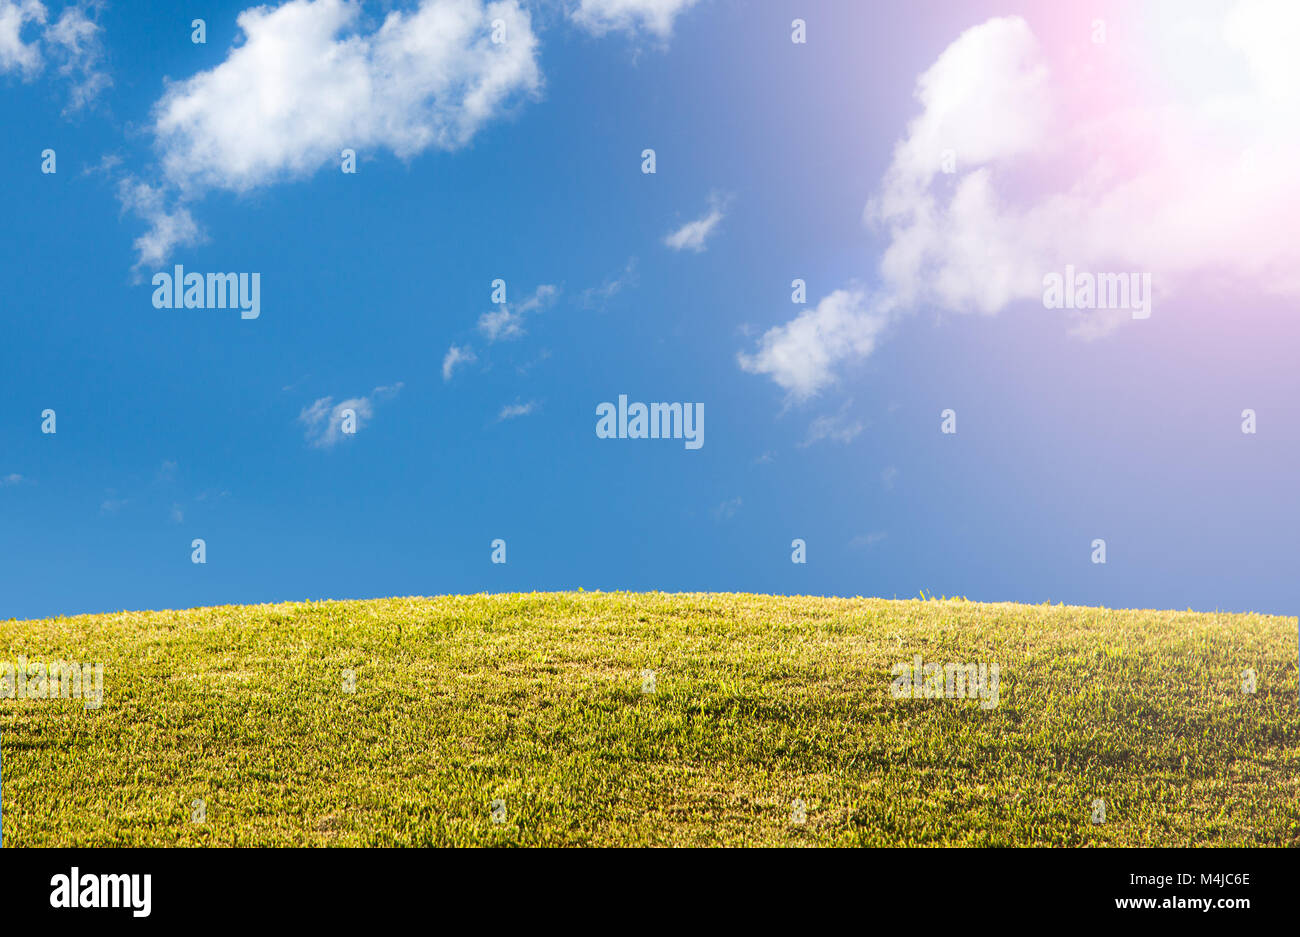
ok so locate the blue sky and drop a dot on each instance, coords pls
(176, 424)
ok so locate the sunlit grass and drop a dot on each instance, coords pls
(537, 700)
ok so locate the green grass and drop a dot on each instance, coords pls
(537, 700)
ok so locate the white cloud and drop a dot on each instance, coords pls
(511, 411)
(306, 83)
(988, 239)
(16, 55)
(1192, 180)
(965, 96)
(313, 82)
(802, 355)
(654, 16)
(13, 478)
(456, 355)
(693, 234)
(507, 322)
(72, 43)
(985, 100)
(324, 418)
(177, 515)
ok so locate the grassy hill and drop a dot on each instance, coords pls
(541, 702)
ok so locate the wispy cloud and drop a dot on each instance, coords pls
(323, 420)
(13, 478)
(868, 540)
(77, 50)
(727, 509)
(693, 235)
(515, 410)
(527, 366)
(455, 357)
(168, 228)
(507, 321)
(72, 44)
(595, 297)
(653, 16)
(838, 427)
